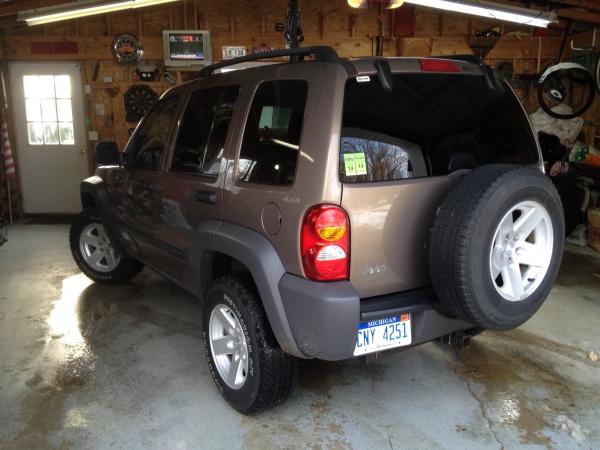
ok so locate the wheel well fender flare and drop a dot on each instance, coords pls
(94, 194)
(260, 258)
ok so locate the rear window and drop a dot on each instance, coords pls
(430, 125)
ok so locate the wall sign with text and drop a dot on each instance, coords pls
(233, 51)
(54, 48)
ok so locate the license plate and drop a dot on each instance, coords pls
(383, 334)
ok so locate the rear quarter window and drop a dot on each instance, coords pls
(367, 156)
(271, 142)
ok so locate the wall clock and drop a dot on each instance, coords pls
(126, 49)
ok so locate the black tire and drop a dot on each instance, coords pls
(272, 373)
(464, 230)
(127, 267)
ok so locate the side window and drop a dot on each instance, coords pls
(201, 139)
(151, 137)
(367, 156)
(271, 142)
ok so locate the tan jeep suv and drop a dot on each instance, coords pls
(328, 208)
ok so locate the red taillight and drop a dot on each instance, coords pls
(325, 243)
(438, 65)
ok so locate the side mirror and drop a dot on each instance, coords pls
(107, 153)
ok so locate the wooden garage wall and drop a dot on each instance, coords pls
(251, 23)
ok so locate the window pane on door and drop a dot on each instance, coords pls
(151, 136)
(65, 131)
(35, 133)
(33, 111)
(63, 86)
(50, 133)
(49, 110)
(64, 110)
(201, 140)
(46, 86)
(31, 86)
(271, 143)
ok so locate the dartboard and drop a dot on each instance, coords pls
(139, 98)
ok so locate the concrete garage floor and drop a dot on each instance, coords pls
(91, 366)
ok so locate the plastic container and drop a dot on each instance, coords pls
(593, 233)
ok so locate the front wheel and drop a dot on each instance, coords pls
(94, 253)
(249, 368)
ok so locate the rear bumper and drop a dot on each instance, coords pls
(324, 317)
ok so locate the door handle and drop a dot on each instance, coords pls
(206, 197)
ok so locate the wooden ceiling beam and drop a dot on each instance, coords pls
(17, 6)
(8, 22)
(578, 14)
(592, 5)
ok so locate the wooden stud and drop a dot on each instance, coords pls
(195, 12)
(442, 24)
(321, 25)
(185, 14)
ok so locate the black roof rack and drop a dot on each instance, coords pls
(321, 53)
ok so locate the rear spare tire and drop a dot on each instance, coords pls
(496, 246)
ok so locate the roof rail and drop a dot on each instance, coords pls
(321, 53)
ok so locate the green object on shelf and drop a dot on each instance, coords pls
(580, 154)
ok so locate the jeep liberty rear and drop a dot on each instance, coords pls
(329, 209)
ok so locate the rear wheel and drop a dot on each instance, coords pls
(95, 254)
(249, 368)
(496, 246)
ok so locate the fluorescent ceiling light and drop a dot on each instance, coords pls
(491, 11)
(82, 9)
(395, 4)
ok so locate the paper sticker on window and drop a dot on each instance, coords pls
(361, 163)
(349, 164)
(355, 164)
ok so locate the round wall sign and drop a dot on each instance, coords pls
(127, 49)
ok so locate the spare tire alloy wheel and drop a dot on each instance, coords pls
(496, 246)
(521, 251)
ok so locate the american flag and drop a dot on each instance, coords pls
(7, 158)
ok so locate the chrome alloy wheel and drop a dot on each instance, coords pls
(521, 250)
(97, 250)
(228, 346)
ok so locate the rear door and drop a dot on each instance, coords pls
(134, 187)
(190, 192)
